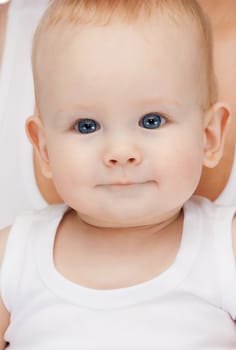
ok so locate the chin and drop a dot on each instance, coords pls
(124, 218)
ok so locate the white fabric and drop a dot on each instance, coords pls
(18, 190)
(228, 195)
(191, 305)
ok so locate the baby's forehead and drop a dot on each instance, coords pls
(66, 19)
(94, 52)
(176, 27)
(137, 56)
(143, 37)
(158, 35)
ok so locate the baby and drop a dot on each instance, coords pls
(127, 117)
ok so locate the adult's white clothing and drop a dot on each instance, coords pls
(192, 305)
(18, 189)
(228, 195)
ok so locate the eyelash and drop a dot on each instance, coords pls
(157, 120)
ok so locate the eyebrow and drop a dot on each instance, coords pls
(78, 110)
(163, 100)
(148, 100)
(71, 110)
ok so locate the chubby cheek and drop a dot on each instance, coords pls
(180, 169)
(72, 170)
(187, 170)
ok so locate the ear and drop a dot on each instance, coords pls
(36, 133)
(215, 127)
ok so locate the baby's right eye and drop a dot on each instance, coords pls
(86, 126)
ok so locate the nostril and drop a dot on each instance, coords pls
(113, 161)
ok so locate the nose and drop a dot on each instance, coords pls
(122, 155)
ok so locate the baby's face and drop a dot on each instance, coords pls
(121, 107)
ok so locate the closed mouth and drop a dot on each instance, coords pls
(125, 183)
(128, 183)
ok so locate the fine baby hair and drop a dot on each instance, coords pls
(90, 12)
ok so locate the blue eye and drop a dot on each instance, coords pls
(86, 126)
(152, 121)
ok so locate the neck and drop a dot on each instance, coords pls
(218, 10)
(126, 236)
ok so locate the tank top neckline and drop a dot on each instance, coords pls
(164, 283)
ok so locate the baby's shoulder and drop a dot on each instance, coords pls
(28, 224)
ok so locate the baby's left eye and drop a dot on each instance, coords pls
(86, 126)
(152, 121)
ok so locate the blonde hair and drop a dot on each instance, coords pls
(102, 12)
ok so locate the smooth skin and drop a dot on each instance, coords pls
(45, 185)
(222, 15)
(213, 180)
(126, 182)
(80, 94)
(222, 19)
(113, 187)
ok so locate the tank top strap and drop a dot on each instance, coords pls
(216, 260)
(225, 256)
(13, 260)
(27, 231)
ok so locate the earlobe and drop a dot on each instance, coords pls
(36, 135)
(215, 130)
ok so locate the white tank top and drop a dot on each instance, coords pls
(191, 305)
(18, 190)
(228, 195)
